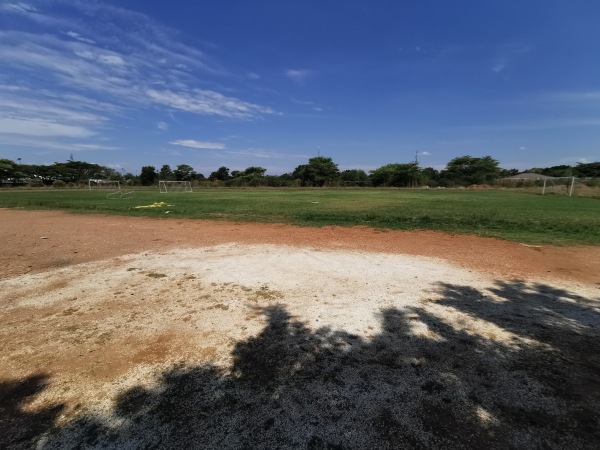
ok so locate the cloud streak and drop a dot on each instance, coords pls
(204, 102)
(72, 75)
(299, 76)
(198, 144)
(29, 127)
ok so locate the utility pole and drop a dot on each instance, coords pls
(417, 157)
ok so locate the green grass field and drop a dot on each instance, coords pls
(507, 215)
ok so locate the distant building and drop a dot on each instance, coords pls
(528, 176)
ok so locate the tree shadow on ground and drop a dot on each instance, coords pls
(19, 426)
(422, 382)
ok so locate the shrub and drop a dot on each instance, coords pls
(36, 183)
(59, 184)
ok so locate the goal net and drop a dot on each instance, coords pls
(559, 185)
(104, 184)
(174, 186)
(118, 195)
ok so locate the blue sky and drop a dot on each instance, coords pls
(272, 82)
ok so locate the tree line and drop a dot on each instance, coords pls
(319, 171)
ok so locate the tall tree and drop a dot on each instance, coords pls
(588, 170)
(7, 168)
(467, 170)
(398, 175)
(318, 172)
(430, 176)
(80, 171)
(354, 175)
(221, 174)
(184, 172)
(255, 171)
(148, 176)
(166, 174)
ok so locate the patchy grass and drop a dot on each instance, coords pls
(508, 215)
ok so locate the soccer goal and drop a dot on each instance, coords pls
(174, 186)
(559, 185)
(104, 184)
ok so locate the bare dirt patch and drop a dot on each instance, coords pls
(123, 332)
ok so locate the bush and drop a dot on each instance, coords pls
(59, 184)
(36, 183)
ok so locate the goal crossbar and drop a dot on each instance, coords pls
(170, 186)
(103, 184)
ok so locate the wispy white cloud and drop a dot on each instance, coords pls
(78, 75)
(18, 7)
(45, 145)
(113, 60)
(507, 55)
(300, 76)
(164, 126)
(77, 36)
(36, 127)
(302, 102)
(425, 153)
(42, 110)
(198, 144)
(499, 66)
(264, 154)
(208, 103)
(312, 105)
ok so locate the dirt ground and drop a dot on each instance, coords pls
(134, 332)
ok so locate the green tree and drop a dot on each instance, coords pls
(221, 174)
(354, 175)
(319, 171)
(398, 175)
(508, 172)
(7, 168)
(554, 171)
(255, 171)
(252, 176)
(467, 170)
(588, 170)
(75, 171)
(430, 176)
(131, 180)
(166, 173)
(148, 176)
(184, 172)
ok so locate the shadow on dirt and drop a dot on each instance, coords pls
(445, 387)
(18, 426)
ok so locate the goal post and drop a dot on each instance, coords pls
(559, 185)
(103, 184)
(174, 186)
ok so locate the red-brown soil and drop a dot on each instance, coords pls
(37, 240)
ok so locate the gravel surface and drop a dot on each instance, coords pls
(129, 333)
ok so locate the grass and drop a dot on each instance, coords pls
(515, 216)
